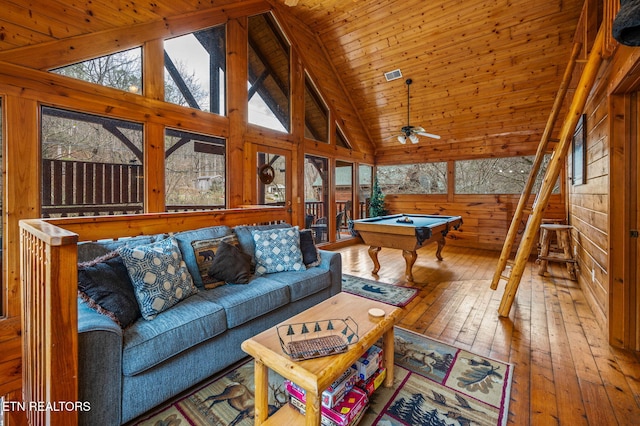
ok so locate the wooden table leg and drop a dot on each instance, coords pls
(373, 254)
(261, 373)
(409, 259)
(544, 250)
(388, 355)
(312, 409)
(565, 239)
(441, 243)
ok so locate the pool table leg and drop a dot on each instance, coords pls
(409, 258)
(373, 254)
(440, 247)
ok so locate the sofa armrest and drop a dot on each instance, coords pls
(333, 262)
(99, 367)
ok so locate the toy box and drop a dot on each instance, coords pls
(334, 393)
(368, 363)
(343, 414)
(374, 382)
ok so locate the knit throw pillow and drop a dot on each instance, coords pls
(159, 275)
(278, 250)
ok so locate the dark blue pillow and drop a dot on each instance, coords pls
(106, 287)
(310, 253)
(230, 265)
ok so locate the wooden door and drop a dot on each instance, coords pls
(269, 180)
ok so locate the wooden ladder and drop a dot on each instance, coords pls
(554, 167)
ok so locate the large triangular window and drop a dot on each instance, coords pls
(316, 114)
(120, 70)
(269, 82)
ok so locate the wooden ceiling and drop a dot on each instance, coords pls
(481, 69)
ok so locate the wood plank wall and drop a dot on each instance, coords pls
(486, 218)
(601, 210)
(589, 206)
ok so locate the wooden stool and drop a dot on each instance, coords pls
(563, 237)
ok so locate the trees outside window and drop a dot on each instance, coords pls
(120, 70)
(195, 171)
(423, 178)
(498, 175)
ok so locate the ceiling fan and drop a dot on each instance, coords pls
(409, 132)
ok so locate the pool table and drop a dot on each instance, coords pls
(407, 232)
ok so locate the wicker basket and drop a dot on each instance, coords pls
(313, 339)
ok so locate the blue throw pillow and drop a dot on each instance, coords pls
(159, 276)
(277, 250)
(310, 253)
(104, 284)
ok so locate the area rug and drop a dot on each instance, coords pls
(396, 295)
(434, 384)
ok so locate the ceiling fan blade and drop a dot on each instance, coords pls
(429, 135)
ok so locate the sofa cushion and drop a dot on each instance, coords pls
(245, 302)
(106, 287)
(206, 251)
(148, 343)
(159, 275)
(185, 238)
(277, 250)
(245, 236)
(230, 265)
(310, 252)
(303, 284)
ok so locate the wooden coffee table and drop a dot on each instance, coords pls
(315, 375)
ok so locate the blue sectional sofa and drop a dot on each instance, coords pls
(125, 372)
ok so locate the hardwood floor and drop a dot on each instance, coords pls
(565, 371)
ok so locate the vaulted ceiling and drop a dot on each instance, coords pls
(481, 68)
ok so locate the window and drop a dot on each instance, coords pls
(423, 178)
(340, 139)
(365, 186)
(195, 66)
(121, 70)
(269, 81)
(91, 165)
(498, 175)
(344, 196)
(272, 178)
(316, 114)
(316, 194)
(195, 176)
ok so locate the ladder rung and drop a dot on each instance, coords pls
(527, 211)
(556, 259)
(511, 262)
(504, 277)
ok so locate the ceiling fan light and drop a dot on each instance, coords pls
(402, 139)
(413, 138)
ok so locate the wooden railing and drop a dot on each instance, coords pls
(48, 274)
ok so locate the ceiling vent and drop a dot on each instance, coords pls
(393, 75)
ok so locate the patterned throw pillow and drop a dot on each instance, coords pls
(205, 252)
(159, 275)
(278, 250)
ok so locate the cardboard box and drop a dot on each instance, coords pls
(368, 363)
(343, 414)
(374, 382)
(334, 393)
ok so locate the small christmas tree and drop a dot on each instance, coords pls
(376, 206)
